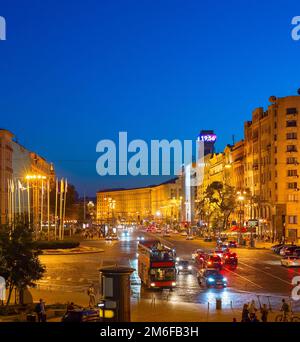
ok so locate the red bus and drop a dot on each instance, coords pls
(156, 264)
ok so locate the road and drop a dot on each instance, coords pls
(259, 273)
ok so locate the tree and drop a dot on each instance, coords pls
(20, 264)
(222, 201)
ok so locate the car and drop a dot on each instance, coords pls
(221, 251)
(208, 239)
(81, 315)
(288, 250)
(184, 266)
(230, 259)
(189, 237)
(112, 237)
(210, 277)
(291, 261)
(279, 248)
(196, 253)
(158, 231)
(183, 233)
(274, 248)
(175, 232)
(166, 234)
(232, 244)
(201, 258)
(140, 238)
(213, 261)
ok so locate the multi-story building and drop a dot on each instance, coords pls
(24, 177)
(6, 171)
(161, 201)
(272, 167)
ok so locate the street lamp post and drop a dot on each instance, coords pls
(241, 200)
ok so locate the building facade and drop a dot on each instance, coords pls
(156, 202)
(272, 167)
(24, 179)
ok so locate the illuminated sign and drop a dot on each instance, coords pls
(208, 137)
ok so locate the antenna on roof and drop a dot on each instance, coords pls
(233, 142)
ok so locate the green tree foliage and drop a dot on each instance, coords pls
(20, 265)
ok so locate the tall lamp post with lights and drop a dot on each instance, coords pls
(241, 199)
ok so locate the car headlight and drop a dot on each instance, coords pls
(173, 284)
(225, 279)
(189, 267)
(152, 284)
(177, 259)
(211, 279)
(137, 255)
(138, 238)
(180, 267)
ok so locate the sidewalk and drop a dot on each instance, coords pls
(145, 310)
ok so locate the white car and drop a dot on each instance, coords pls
(158, 231)
(166, 234)
(291, 261)
(189, 237)
(183, 233)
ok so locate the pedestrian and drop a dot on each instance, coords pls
(41, 311)
(70, 306)
(285, 308)
(91, 294)
(253, 318)
(245, 313)
(252, 308)
(264, 313)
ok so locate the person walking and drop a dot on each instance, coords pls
(285, 308)
(91, 294)
(252, 308)
(41, 311)
(245, 313)
(264, 313)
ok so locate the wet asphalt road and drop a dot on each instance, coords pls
(258, 275)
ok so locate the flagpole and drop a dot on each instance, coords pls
(42, 205)
(60, 209)
(19, 198)
(28, 201)
(55, 211)
(48, 207)
(64, 212)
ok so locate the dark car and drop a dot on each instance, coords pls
(81, 315)
(230, 259)
(232, 244)
(275, 247)
(208, 239)
(211, 278)
(214, 261)
(288, 250)
(183, 266)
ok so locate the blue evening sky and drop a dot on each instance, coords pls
(75, 72)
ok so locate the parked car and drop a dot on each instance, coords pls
(208, 239)
(189, 237)
(232, 244)
(184, 233)
(81, 315)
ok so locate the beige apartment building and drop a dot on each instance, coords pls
(161, 202)
(272, 167)
(27, 170)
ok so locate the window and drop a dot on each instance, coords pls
(291, 148)
(291, 111)
(291, 173)
(291, 136)
(292, 185)
(291, 123)
(275, 149)
(292, 198)
(292, 219)
(291, 160)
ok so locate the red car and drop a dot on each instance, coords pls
(214, 261)
(230, 259)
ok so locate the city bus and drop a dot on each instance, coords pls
(156, 264)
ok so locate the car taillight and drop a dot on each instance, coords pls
(209, 263)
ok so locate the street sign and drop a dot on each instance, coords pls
(252, 223)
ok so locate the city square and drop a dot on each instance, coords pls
(149, 171)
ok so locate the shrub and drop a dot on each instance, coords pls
(56, 244)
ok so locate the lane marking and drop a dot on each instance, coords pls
(69, 279)
(267, 273)
(244, 278)
(81, 280)
(58, 278)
